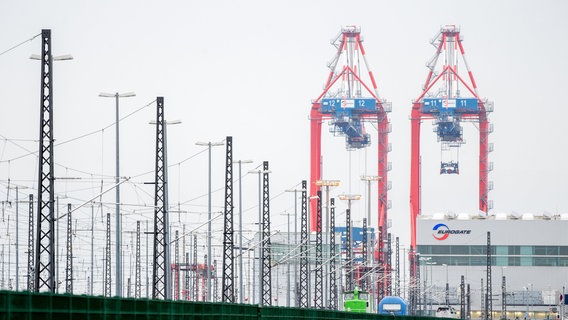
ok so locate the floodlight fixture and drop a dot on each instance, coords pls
(114, 95)
(349, 197)
(328, 183)
(54, 58)
(166, 122)
(213, 144)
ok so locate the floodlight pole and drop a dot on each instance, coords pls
(327, 184)
(295, 191)
(241, 294)
(260, 173)
(369, 180)
(349, 249)
(117, 191)
(209, 145)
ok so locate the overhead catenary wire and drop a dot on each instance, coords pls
(108, 126)
(80, 222)
(72, 139)
(19, 44)
(129, 182)
(93, 176)
(89, 201)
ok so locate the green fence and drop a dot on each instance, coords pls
(26, 305)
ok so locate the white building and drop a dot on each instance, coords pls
(530, 251)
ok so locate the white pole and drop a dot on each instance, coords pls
(209, 230)
(288, 264)
(118, 251)
(295, 244)
(240, 235)
(261, 273)
(17, 243)
(92, 246)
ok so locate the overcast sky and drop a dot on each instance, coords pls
(250, 70)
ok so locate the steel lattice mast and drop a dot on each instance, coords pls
(489, 293)
(382, 273)
(187, 273)
(176, 266)
(266, 266)
(184, 288)
(160, 283)
(318, 283)
(503, 297)
(303, 299)
(397, 270)
(31, 274)
(348, 252)
(468, 302)
(215, 282)
(69, 262)
(195, 271)
(462, 298)
(45, 242)
(228, 237)
(332, 264)
(107, 282)
(388, 276)
(138, 275)
(414, 282)
(417, 288)
(364, 262)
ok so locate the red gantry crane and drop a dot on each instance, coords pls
(449, 99)
(348, 101)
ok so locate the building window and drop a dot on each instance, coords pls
(526, 255)
(546, 250)
(514, 250)
(460, 250)
(441, 249)
(459, 260)
(478, 261)
(514, 261)
(501, 255)
(542, 261)
(478, 250)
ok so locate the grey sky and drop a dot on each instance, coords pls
(250, 69)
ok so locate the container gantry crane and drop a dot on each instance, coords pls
(442, 101)
(348, 102)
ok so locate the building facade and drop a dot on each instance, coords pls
(528, 258)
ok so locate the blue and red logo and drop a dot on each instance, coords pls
(442, 231)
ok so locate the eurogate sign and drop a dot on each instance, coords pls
(442, 231)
